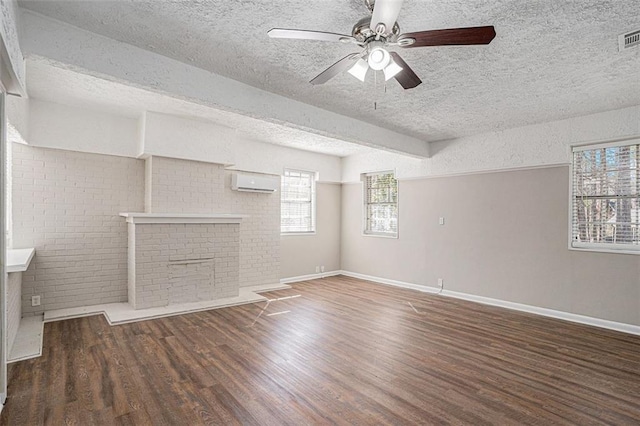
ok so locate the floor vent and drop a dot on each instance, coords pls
(628, 40)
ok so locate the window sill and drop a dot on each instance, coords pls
(391, 236)
(296, 234)
(604, 250)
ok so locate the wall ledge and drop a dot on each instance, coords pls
(18, 260)
(142, 218)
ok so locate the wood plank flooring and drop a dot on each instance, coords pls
(344, 351)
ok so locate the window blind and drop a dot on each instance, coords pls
(606, 197)
(297, 211)
(381, 203)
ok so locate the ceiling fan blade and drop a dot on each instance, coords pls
(309, 35)
(385, 12)
(339, 67)
(449, 37)
(407, 78)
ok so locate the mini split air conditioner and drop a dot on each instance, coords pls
(253, 183)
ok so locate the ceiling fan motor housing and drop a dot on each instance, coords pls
(363, 33)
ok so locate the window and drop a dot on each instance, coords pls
(298, 199)
(606, 197)
(380, 204)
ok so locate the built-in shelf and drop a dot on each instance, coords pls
(18, 260)
(183, 217)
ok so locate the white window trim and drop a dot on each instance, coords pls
(364, 207)
(297, 233)
(314, 203)
(595, 247)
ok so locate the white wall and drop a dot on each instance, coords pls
(60, 126)
(541, 144)
(178, 137)
(535, 145)
(376, 161)
(18, 117)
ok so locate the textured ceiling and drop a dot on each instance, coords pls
(550, 60)
(54, 84)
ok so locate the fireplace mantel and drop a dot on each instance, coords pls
(140, 218)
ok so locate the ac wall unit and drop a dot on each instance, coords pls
(253, 183)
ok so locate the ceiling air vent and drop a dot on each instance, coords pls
(628, 40)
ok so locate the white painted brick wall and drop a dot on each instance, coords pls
(66, 205)
(178, 263)
(14, 292)
(183, 186)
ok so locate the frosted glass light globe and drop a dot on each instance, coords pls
(378, 58)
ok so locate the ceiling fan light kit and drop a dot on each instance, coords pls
(391, 70)
(359, 69)
(373, 35)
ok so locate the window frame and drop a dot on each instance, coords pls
(314, 178)
(595, 247)
(365, 219)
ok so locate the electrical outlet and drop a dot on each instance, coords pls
(441, 221)
(35, 300)
(322, 268)
(440, 282)
(317, 269)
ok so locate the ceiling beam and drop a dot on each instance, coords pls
(110, 59)
(12, 73)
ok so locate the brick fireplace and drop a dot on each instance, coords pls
(182, 258)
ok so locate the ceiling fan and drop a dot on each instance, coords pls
(375, 34)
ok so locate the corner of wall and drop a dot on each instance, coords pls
(142, 131)
(148, 176)
(18, 119)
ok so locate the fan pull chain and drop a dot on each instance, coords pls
(375, 89)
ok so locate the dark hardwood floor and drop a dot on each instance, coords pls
(344, 352)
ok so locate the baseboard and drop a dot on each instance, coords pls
(309, 277)
(395, 283)
(567, 316)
